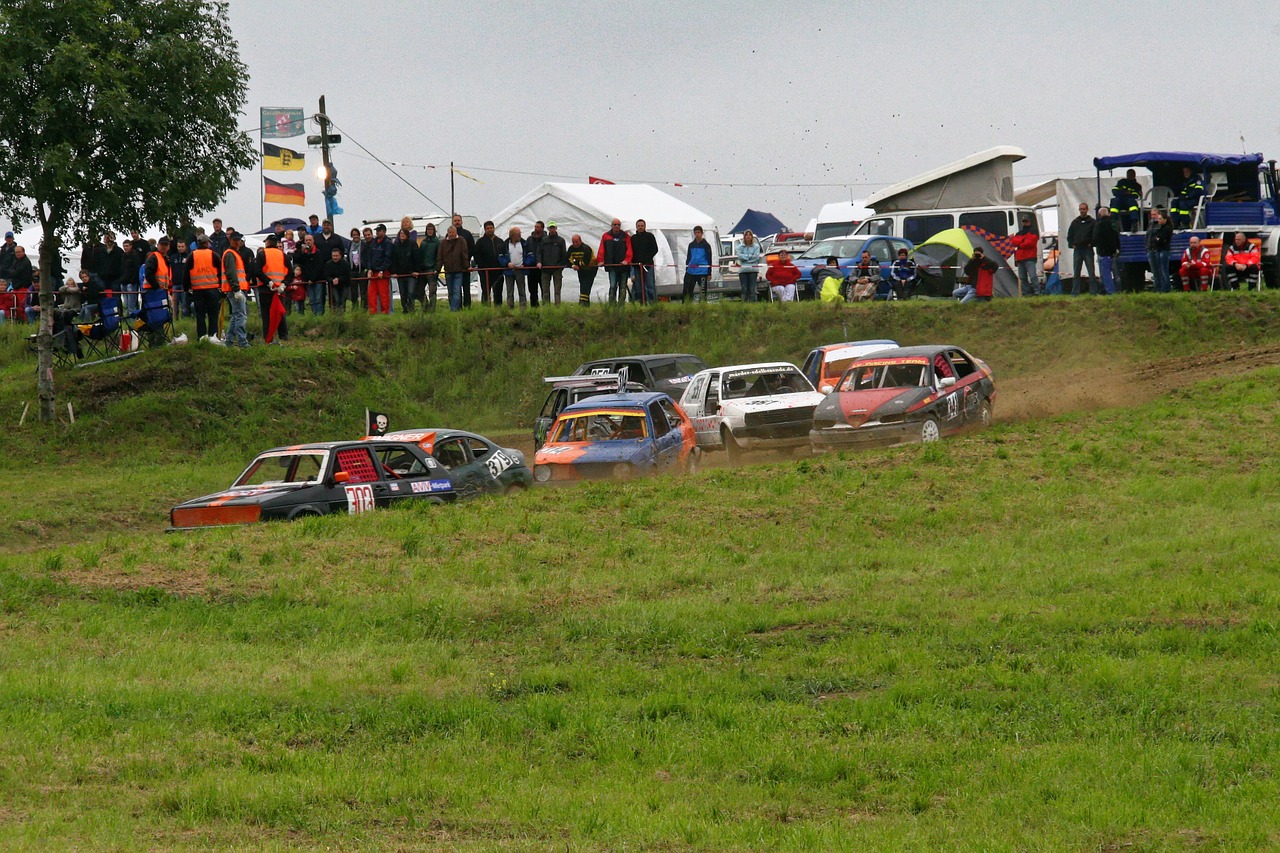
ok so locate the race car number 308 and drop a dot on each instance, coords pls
(359, 498)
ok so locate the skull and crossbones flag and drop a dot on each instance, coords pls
(375, 422)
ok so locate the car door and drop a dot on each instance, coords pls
(410, 473)
(949, 407)
(707, 424)
(494, 462)
(968, 385)
(681, 427)
(666, 438)
(556, 400)
(469, 478)
(812, 367)
(363, 489)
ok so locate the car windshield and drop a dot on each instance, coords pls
(601, 426)
(763, 382)
(900, 375)
(844, 249)
(275, 469)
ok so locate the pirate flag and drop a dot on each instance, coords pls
(376, 422)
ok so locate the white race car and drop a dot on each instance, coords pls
(751, 406)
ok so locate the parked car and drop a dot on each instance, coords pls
(902, 395)
(751, 406)
(825, 365)
(884, 250)
(567, 390)
(617, 436)
(669, 373)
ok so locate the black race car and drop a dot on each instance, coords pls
(669, 373)
(437, 466)
(904, 394)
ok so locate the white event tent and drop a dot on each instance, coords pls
(588, 210)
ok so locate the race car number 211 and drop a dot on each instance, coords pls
(359, 498)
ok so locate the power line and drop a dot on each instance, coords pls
(384, 165)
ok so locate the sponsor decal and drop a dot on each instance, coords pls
(681, 380)
(758, 371)
(441, 486)
(426, 486)
(359, 498)
(395, 487)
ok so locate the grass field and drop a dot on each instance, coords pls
(1057, 634)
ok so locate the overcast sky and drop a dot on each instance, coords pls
(757, 98)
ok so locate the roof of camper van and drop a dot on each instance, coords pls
(984, 178)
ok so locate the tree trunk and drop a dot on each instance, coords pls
(44, 337)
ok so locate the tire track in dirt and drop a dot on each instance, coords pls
(1116, 385)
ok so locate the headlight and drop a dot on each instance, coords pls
(542, 473)
(623, 471)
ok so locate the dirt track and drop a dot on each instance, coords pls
(1104, 387)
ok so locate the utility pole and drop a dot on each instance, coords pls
(453, 205)
(324, 154)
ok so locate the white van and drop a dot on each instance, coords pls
(839, 219)
(919, 225)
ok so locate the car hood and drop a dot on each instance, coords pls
(773, 402)
(857, 407)
(247, 496)
(586, 452)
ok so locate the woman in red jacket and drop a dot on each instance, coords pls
(782, 277)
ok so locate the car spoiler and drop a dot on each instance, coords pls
(618, 379)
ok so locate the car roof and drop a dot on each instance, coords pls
(755, 366)
(649, 357)
(605, 401)
(907, 352)
(825, 348)
(328, 445)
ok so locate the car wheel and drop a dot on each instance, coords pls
(732, 450)
(984, 414)
(304, 513)
(929, 430)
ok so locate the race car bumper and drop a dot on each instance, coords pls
(872, 435)
(785, 434)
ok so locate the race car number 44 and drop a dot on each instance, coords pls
(359, 498)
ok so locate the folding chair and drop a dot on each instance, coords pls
(66, 342)
(103, 336)
(154, 321)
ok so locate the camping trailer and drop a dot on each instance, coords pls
(974, 192)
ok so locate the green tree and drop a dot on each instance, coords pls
(115, 115)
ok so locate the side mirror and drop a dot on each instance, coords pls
(946, 382)
(340, 477)
(827, 389)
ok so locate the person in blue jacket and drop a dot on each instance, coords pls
(697, 266)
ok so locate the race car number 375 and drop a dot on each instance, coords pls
(359, 498)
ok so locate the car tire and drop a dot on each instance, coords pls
(732, 450)
(304, 513)
(929, 430)
(984, 414)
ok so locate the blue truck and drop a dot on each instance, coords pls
(1240, 195)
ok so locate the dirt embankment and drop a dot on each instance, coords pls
(1114, 385)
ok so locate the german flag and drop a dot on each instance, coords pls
(277, 159)
(278, 193)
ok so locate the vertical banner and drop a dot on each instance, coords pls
(281, 122)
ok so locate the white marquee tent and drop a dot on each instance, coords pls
(588, 210)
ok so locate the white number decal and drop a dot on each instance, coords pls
(953, 406)
(498, 462)
(359, 498)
